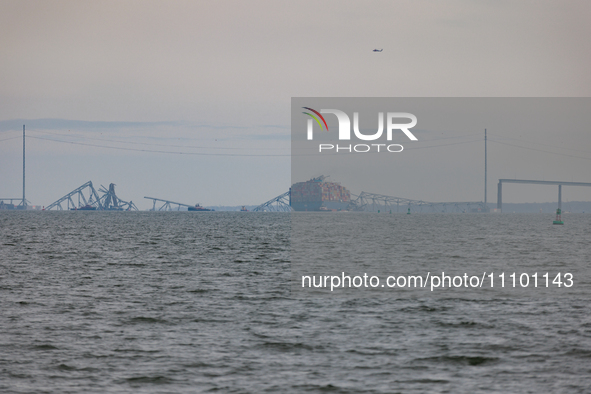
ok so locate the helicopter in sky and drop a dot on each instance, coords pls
(378, 50)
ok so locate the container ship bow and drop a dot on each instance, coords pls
(318, 195)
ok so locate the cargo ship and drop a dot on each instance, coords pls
(318, 195)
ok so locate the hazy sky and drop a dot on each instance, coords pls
(125, 82)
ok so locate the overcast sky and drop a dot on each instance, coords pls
(190, 100)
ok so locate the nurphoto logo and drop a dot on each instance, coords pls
(345, 130)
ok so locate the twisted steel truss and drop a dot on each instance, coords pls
(167, 205)
(372, 202)
(278, 204)
(107, 202)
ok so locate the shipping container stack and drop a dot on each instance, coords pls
(335, 192)
(306, 192)
(315, 191)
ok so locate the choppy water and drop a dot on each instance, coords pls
(185, 302)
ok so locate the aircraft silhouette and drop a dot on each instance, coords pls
(378, 50)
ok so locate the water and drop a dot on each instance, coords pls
(200, 302)
(488, 249)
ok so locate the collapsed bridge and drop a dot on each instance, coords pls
(108, 201)
(318, 194)
(372, 202)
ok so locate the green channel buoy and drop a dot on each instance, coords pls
(558, 217)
